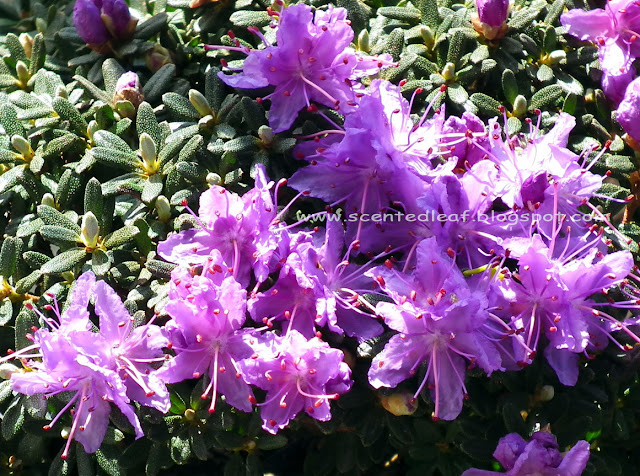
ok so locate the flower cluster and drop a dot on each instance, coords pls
(539, 455)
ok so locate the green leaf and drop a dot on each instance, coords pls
(116, 158)
(150, 27)
(6, 312)
(245, 18)
(395, 44)
(51, 216)
(14, 46)
(25, 320)
(485, 104)
(180, 107)
(69, 113)
(161, 269)
(101, 262)
(404, 14)
(25, 284)
(58, 146)
(546, 97)
(544, 73)
(9, 120)
(159, 83)
(38, 54)
(9, 256)
(111, 72)
(429, 11)
(59, 235)
(457, 93)
(93, 199)
(65, 261)
(107, 457)
(68, 186)
(152, 188)
(509, 85)
(180, 449)
(13, 418)
(120, 237)
(92, 89)
(146, 122)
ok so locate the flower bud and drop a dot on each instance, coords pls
(547, 393)
(128, 88)
(492, 15)
(200, 103)
(20, 144)
(449, 72)
(92, 128)
(90, 230)
(400, 403)
(427, 36)
(520, 106)
(163, 208)
(99, 21)
(190, 414)
(363, 41)
(65, 432)
(157, 57)
(41, 25)
(61, 92)
(47, 199)
(22, 72)
(7, 370)
(266, 134)
(557, 56)
(27, 44)
(213, 179)
(148, 154)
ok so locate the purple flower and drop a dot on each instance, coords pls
(613, 30)
(128, 88)
(552, 298)
(540, 456)
(491, 19)
(383, 160)
(312, 61)
(440, 321)
(242, 229)
(297, 374)
(113, 365)
(628, 113)
(99, 21)
(493, 12)
(207, 313)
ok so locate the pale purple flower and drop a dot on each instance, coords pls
(440, 320)
(99, 21)
(207, 312)
(614, 31)
(539, 456)
(242, 229)
(311, 61)
(628, 113)
(298, 375)
(113, 365)
(493, 12)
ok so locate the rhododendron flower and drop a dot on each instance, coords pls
(311, 61)
(113, 365)
(628, 113)
(539, 456)
(207, 313)
(614, 31)
(298, 374)
(492, 15)
(440, 321)
(99, 21)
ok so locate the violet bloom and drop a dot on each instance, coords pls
(207, 313)
(99, 21)
(538, 457)
(491, 19)
(312, 61)
(317, 287)
(113, 365)
(242, 229)
(298, 374)
(440, 321)
(384, 159)
(614, 31)
(552, 298)
(628, 113)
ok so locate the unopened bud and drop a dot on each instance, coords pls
(148, 153)
(200, 103)
(190, 414)
(23, 147)
(47, 199)
(128, 88)
(27, 44)
(266, 134)
(22, 72)
(427, 36)
(547, 393)
(65, 432)
(7, 370)
(363, 41)
(520, 106)
(213, 179)
(163, 208)
(92, 128)
(157, 57)
(61, 92)
(400, 403)
(449, 72)
(90, 230)
(557, 56)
